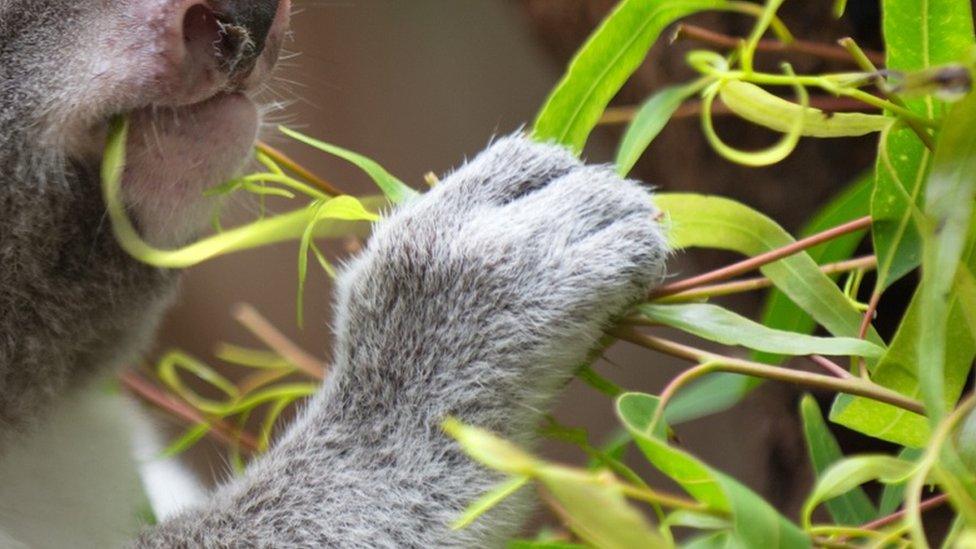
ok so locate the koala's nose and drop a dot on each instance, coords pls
(232, 34)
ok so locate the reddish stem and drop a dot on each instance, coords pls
(926, 505)
(286, 161)
(817, 49)
(688, 109)
(760, 260)
(251, 319)
(830, 366)
(152, 394)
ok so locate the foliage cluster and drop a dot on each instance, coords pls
(916, 206)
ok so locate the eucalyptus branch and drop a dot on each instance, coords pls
(759, 283)
(832, 83)
(867, 64)
(710, 362)
(690, 109)
(816, 49)
(182, 411)
(830, 366)
(251, 319)
(926, 505)
(760, 260)
(306, 174)
(913, 490)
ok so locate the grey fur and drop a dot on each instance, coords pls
(475, 300)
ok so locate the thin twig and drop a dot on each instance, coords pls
(711, 362)
(830, 366)
(760, 260)
(304, 173)
(219, 430)
(926, 505)
(817, 49)
(759, 283)
(624, 115)
(251, 319)
(868, 64)
(869, 315)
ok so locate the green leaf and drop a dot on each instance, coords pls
(602, 66)
(341, 207)
(754, 522)
(653, 115)
(592, 504)
(850, 473)
(763, 157)
(187, 440)
(901, 169)
(933, 349)
(395, 190)
(894, 493)
(715, 222)
(852, 508)
(718, 324)
(721, 391)
(966, 441)
(919, 34)
(898, 370)
(949, 197)
(529, 544)
(717, 540)
(851, 203)
(488, 501)
(758, 106)
(698, 521)
(594, 507)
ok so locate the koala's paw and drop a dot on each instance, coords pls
(522, 248)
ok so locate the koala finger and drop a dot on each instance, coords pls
(511, 167)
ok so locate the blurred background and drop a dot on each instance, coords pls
(419, 85)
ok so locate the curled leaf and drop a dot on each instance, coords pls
(758, 106)
(771, 155)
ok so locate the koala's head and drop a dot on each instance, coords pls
(185, 71)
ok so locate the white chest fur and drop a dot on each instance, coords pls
(72, 483)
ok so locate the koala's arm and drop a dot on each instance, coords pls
(475, 301)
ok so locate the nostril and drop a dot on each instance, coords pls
(201, 33)
(209, 39)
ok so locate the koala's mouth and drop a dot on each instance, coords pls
(199, 127)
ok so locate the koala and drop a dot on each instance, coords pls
(475, 300)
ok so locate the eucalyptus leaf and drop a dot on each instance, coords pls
(754, 522)
(602, 66)
(893, 494)
(949, 197)
(395, 190)
(898, 370)
(591, 503)
(919, 34)
(716, 222)
(488, 501)
(852, 472)
(186, 440)
(852, 508)
(651, 118)
(721, 391)
(594, 507)
(718, 324)
(531, 544)
(758, 106)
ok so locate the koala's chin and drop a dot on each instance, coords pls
(174, 154)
